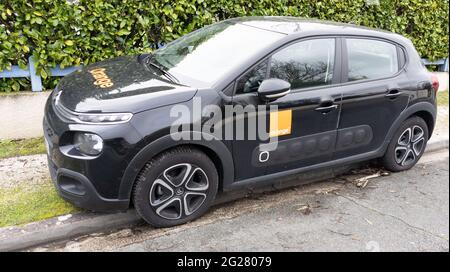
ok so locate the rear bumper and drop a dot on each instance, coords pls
(78, 189)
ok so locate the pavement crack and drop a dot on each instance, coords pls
(392, 216)
(340, 233)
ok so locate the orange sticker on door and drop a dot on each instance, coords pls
(280, 123)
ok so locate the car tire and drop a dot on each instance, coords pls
(175, 187)
(407, 145)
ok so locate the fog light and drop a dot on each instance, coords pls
(88, 143)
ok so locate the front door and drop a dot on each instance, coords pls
(307, 117)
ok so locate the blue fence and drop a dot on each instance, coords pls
(36, 82)
(30, 72)
(442, 64)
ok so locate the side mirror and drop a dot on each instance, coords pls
(273, 88)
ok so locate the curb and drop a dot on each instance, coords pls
(53, 230)
(436, 145)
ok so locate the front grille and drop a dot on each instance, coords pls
(70, 116)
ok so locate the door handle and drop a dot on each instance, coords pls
(393, 93)
(326, 109)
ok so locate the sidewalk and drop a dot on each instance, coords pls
(31, 171)
(440, 136)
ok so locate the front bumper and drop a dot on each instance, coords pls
(91, 183)
(78, 190)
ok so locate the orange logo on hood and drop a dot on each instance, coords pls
(101, 78)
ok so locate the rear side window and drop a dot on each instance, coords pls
(371, 59)
(305, 64)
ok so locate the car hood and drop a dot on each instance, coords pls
(122, 84)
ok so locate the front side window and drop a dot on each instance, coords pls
(305, 64)
(371, 59)
(252, 79)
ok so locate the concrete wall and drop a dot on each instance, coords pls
(21, 115)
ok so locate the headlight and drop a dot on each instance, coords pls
(89, 118)
(88, 143)
(105, 118)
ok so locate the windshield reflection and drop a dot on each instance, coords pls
(210, 52)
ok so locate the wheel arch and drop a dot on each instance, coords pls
(428, 118)
(425, 110)
(215, 149)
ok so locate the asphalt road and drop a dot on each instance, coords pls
(406, 211)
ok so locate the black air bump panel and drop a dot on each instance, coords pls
(294, 149)
(353, 137)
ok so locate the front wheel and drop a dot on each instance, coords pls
(407, 145)
(175, 187)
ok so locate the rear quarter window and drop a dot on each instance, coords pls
(371, 59)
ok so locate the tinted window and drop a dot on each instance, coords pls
(252, 79)
(371, 59)
(209, 53)
(305, 64)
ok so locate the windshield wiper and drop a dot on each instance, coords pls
(161, 69)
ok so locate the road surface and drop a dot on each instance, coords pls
(406, 211)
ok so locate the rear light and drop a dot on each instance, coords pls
(435, 82)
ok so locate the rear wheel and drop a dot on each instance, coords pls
(175, 187)
(407, 145)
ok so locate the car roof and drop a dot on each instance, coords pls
(296, 26)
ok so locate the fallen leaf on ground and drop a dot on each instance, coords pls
(305, 209)
(362, 182)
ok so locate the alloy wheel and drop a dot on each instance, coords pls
(410, 145)
(179, 191)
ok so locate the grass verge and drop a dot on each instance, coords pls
(26, 204)
(12, 148)
(442, 98)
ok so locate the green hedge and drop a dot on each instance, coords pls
(58, 32)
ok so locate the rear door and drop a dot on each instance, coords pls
(309, 113)
(375, 92)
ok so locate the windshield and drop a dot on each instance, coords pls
(208, 53)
